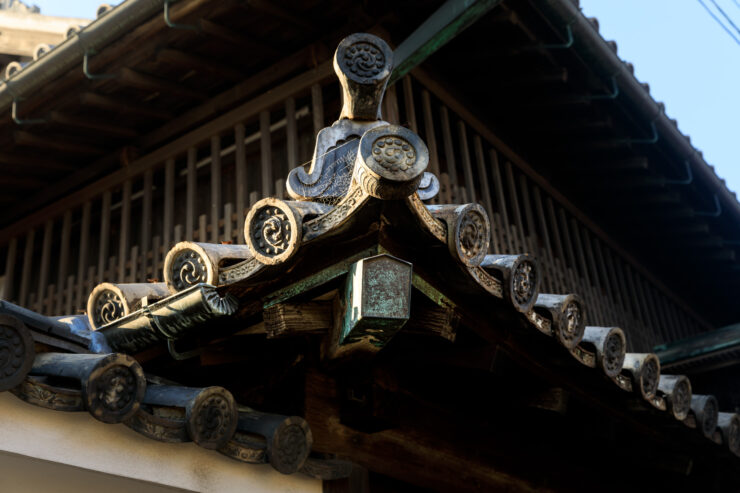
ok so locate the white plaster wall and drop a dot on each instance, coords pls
(76, 439)
(21, 474)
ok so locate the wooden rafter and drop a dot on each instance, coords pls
(153, 83)
(120, 106)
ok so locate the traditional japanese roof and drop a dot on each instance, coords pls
(563, 100)
(371, 288)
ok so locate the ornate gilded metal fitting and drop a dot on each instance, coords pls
(16, 352)
(567, 314)
(519, 276)
(644, 370)
(363, 64)
(610, 344)
(390, 162)
(676, 390)
(273, 231)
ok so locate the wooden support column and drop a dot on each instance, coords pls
(291, 133)
(69, 295)
(480, 162)
(104, 234)
(241, 178)
(501, 202)
(317, 109)
(551, 285)
(390, 106)
(156, 248)
(169, 202)
(228, 222)
(82, 260)
(146, 222)
(125, 229)
(8, 281)
(190, 194)
(429, 134)
(202, 228)
(216, 186)
(63, 258)
(449, 153)
(265, 154)
(408, 100)
(466, 163)
(44, 268)
(524, 246)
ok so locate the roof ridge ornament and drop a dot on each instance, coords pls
(363, 64)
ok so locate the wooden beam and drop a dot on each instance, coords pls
(26, 160)
(24, 138)
(448, 21)
(107, 127)
(22, 182)
(290, 319)
(158, 84)
(237, 39)
(607, 165)
(484, 130)
(124, 107)
(224, 101)
(221, 123)
(426, 459)
(201, 64)
(283, 14)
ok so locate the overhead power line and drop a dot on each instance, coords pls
(724, 14)
(719, 21)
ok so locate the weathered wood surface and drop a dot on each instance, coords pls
(327, 469)
(289, 319)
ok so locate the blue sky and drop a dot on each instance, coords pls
(691, 64)
(84, 9)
